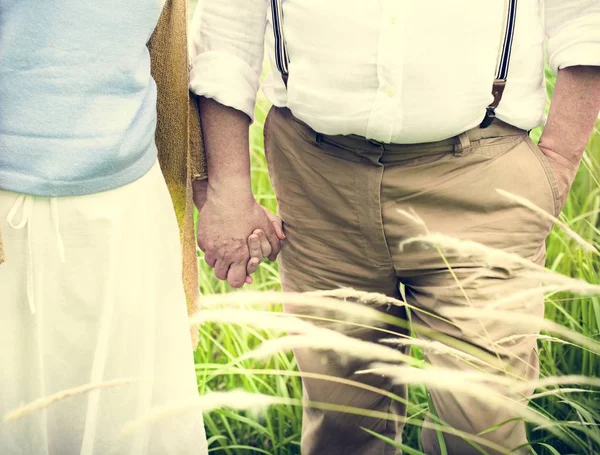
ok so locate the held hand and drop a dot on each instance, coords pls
(225, 225)
(259, 246)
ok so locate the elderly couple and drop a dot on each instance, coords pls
(378, 106)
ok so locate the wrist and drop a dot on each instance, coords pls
(566, 155)
(231, 191)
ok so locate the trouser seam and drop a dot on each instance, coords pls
(380, 218)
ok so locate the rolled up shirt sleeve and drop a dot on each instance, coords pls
(227, 49)
(573, 32)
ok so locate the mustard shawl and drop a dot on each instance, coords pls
(178, 136)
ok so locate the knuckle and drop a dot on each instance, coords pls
(240, 257)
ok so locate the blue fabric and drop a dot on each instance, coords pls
(77, 102)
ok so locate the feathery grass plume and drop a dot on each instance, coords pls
(360, 296)
(526, 321)
(434, 347)
(351, 311)
(240, 400)
(557, 282)
(415, 408)
(308, 375)
(585, 245)
(486, 336)
(560, 391)
(275, 321)
(491, 389)
(412, 215)
(492, 256)
(446, 376)
(457, 243)
(45, 402)
(358, 312)
(537, 336)
(555, 381)
(235, 399)
(329, 340)
(369, 297)
(264, 320)
(525, 294)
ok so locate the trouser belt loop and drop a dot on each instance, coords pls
(463, 144)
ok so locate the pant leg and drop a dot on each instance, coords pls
(457, 196)
(331, 210)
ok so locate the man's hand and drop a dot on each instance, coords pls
(229, 228)
(258, 244)
(573, 112)
(563, 169)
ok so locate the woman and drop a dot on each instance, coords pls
(91, 289)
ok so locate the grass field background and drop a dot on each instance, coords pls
(277, 431)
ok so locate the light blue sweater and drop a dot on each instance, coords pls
(77, 102)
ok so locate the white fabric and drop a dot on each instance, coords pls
(394, 71)
(91, 291)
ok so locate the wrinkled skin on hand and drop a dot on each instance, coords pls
(235, 234)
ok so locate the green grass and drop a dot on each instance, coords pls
(278, 431)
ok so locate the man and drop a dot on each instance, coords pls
(379, 107)
(91, 289)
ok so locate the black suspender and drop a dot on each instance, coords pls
(282, 58)
(503, 64)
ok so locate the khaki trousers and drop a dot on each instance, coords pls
(339, 199)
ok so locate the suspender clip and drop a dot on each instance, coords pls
(490, 112)
(490, 116)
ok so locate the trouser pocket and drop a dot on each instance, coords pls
(548, 171)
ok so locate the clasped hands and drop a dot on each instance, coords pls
(235, 233)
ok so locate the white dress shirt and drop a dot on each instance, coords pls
(397, 71)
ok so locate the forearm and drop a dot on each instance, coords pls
(573, 113)
(226, 141)
(230, 219)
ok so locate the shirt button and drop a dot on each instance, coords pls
(389, 91)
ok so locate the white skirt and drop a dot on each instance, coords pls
(91, 291)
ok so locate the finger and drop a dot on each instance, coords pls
(254, 247)
(249, 280)
(200, 244)
(277, 224)
(210, 259)
(278, 227)
(265, 246)
(273, 256)
(221, 269)
(274, 241)
(253, 264)
(237, 275)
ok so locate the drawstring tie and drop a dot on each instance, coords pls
(25, 203)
